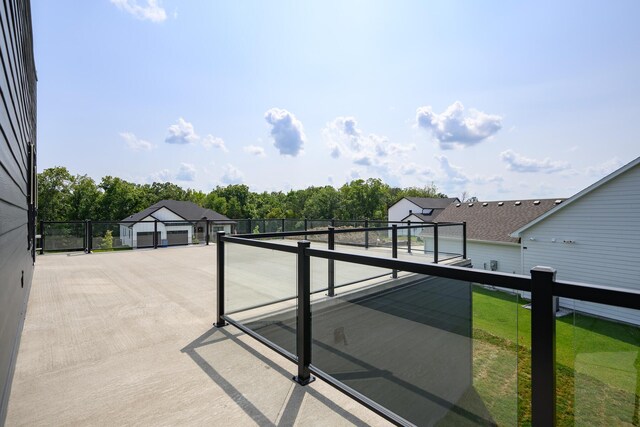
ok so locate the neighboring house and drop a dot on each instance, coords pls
(490, 245)
(592, 237)
(418, 209)
(178, 223)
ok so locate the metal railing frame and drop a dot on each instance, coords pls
(542, 284)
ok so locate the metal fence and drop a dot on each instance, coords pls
(402, 343)
(92, 236)
(96, 236)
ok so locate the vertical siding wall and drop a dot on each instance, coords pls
(17, 181)
(597, 240)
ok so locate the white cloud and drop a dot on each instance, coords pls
(187, 172)
(135, 143)
(518, 163)
(231, 175)
(181, 133)
(453, 174)
(151, 11)
(254, 150)
(213, 141)
(287, 131)
(454, 129)
(605, 168)
(344, 138)
(164, 175)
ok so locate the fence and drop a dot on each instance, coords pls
(91, 236)
(407, 342)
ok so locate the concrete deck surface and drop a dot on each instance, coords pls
(125, 338)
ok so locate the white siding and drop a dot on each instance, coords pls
(401, 209)
(164, 214)
(595, 240)
(507, 255)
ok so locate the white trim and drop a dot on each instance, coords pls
(577, 196)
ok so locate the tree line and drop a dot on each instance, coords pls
(65, 197)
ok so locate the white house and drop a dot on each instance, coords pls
(175, 222)
(417, 209)
(592, 237)
(490, 245)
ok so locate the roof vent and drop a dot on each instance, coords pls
(536, 202)
(557, 202)
(485, 204)
(470, 204)
(518, 203)
(457, 205)
(500, 203)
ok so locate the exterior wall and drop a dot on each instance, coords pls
(17, 182)
(594, 240)
(147, 224)
(401, 209)
(508, 256)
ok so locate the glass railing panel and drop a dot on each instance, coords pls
(417, 346)
(260, 291)
(450, 241)
(597, 364)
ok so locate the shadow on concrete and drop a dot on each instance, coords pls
(294, 400)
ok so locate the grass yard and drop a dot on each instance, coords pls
(597, 364)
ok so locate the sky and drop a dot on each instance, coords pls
(497, 100)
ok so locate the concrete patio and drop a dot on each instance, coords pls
(125, 338)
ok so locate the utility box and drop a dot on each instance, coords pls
(493, 265)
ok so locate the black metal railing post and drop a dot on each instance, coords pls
(89, 236)
(435, 243)
(249, 230)
(464, 240)
(409, 236)
(366, 234)
(155, 234)
(303, 323)
(283, 224)
(305, 228)
(333, 222)
(394, 246)
(84, 238)
(543, 347)
(207, 237)
(331, 245)
(41, 237)
(220, 280)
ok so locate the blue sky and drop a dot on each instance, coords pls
(501, 100)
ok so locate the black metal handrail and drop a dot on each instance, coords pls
(542, 284)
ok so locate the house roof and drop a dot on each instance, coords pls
(577, 196)
(187, 210)
(431, 202)
(495, 221)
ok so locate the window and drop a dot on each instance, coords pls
(427, 211)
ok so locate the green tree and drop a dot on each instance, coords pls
(322, 204)
(85, 198)
(364, 199)
(54, 194)
(107, 241)
(120, 199)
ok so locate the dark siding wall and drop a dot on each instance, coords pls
(17, 181)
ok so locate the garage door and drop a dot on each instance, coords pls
(177, 237)
(144, 239)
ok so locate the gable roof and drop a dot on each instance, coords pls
(495, 221)
(431, 202)
(186, 210)
(579, 195)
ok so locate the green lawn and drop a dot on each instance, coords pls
(597, 364)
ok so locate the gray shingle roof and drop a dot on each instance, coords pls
(187, 210)
(495, 221)
(432, 203)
